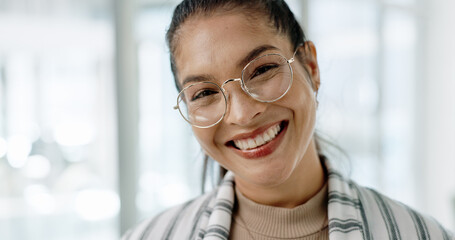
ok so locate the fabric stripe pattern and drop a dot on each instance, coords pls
(354, 213)
(388, 217)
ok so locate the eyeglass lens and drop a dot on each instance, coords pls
(266, 79)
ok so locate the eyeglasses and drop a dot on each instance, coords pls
(266, 79)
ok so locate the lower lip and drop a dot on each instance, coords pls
(263, 150)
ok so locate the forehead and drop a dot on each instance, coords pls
(208, 44)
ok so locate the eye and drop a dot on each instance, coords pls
(203, 93)
(263, 69)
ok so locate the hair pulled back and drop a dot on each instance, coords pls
(277, 11)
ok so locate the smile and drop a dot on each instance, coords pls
(259, 143)
(259, 140)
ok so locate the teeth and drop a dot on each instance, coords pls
(271, 133)
(251, 143)
(242, 145)
(259, 140)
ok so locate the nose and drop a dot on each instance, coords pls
(242, 108)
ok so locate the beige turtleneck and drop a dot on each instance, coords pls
(254, 221)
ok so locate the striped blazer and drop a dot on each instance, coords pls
(354, 212)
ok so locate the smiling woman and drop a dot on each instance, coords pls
(248, 83)
(257, 168)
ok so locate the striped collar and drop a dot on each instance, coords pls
(354, 212)
(344, 209)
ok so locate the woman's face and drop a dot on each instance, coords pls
(213, 47)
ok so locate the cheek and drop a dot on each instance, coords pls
(206, 138)
(303, 104)
(301, 96)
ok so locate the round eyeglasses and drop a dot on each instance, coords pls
(266, 79)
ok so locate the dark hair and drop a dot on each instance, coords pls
(277, 11)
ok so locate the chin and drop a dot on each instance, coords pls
(269, 176)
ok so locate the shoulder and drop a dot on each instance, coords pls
(390, 218)
(365, 213)
(179, 222)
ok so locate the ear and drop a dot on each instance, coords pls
(310, 63)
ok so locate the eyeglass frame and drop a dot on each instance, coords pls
(242, 85)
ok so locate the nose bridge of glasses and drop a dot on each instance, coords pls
(230, 80)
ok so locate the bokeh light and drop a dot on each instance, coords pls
(37, 167)
(40, 199)
(19, 148)
(96, 205)
(74, 134)
(3, 147)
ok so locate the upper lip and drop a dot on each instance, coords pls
(254, 133)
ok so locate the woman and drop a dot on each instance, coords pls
(248, 83)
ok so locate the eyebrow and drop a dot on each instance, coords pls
(197, 78)
(254, 53)
(241, 64)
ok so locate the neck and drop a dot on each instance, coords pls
(304, 182)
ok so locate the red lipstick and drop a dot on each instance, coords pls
(263, 150)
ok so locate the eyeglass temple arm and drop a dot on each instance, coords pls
(295, 53)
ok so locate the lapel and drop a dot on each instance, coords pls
(219, 222)
(345, 210)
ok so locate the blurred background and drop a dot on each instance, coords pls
(90, 144)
